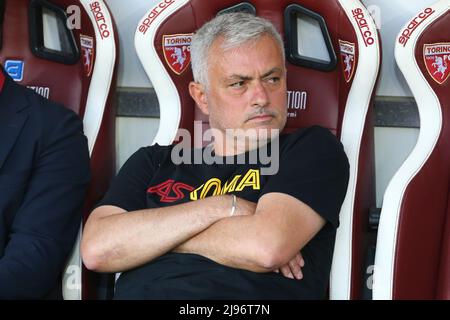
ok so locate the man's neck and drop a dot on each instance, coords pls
(225, 146)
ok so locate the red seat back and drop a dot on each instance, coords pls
(413, 245)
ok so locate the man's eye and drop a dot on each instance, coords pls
(237, 84)
(274, 79)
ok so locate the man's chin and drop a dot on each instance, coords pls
(268, 129)
(262, 134)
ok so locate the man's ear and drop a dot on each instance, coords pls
(198, 93)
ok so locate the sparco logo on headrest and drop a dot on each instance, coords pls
(414, 23)
(163, 5)
(363, 26)
(100, 19)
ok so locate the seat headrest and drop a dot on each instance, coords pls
(318, 86)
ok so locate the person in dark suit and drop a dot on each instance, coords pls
(44, 173)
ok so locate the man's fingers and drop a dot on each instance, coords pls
(295, 269)
(286, 271)
(300, 260)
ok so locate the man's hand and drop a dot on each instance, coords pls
(293, 269)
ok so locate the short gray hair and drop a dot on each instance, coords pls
(236, 29)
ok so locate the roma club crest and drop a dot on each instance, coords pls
(437, 60)
(177, 51)
(87, 53)
(348, 51)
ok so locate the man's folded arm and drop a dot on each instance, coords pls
(116, 240)
(262, 242)
(294, 205)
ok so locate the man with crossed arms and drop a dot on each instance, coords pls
(224, 231)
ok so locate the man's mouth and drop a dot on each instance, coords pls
(262, 117)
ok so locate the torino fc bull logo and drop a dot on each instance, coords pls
(437, 60)
(177, 51)
(87, 53)
(348, 50)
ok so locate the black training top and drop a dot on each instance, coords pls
(312, 168)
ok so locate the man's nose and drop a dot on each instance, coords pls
(260, 97)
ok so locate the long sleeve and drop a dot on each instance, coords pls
(46, 223)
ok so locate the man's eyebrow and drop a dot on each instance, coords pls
(239, 77)
(242, 77)
(273, 70)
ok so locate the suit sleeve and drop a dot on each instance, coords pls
(44, 228)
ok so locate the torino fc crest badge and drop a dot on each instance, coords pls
(437, 60)
(87, 53)
(177, 51)
(347, 58)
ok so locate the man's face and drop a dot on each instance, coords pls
(247, 86)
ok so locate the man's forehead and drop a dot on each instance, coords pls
(220, 44)
(243, 61)
(239, 53)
